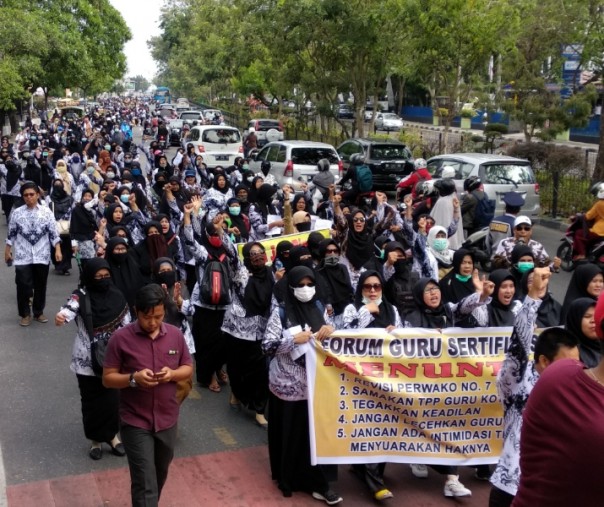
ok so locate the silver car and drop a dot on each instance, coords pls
(498, 173)
(388, 121)
(293, 161)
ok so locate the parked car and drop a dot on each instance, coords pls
(368, 113)
(345, 112)
(295, 160)
(388, 121)
(389, 161)
(219, 145)
(499, 174)
(267, 130)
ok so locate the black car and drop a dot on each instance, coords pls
(345, 112)
(175, 136)
(389, 161)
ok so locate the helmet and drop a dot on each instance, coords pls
(420, 163)
(445, 186)
(356, 159)
(426, 188)
(251, 129)
(323, 165)
(447, 172)
(598, 190)
(471, 183)
(265, 167)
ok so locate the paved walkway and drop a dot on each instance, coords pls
(234, 479)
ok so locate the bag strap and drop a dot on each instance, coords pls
(87, 314)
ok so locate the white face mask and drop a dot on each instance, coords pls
(88, 205)
(127, 185)
(366, 301)
(292, 197)
(304, 294)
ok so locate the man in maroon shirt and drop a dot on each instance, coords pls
(145, 359)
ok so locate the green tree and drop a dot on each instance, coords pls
(141, 83)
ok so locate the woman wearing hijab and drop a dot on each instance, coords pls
(299, 255)
(371, 310)
(11, 171)
(152, 248)
(99, 309)
(587, 282)
(125, 271)
(67, 179)
(549, 313)
(281, 262)
(61, 203)
(457, 284)
(260, 210)
(177, 309)
(336, 280)
(302, 222)
(83, 226)
(400, 277)
(523, 260)
(134, 221)
(173, 199)
(439, 253)
(242, 195)
(245, 324)
(376, 263)
(581, 324)
(104, 160)
(255, 185)
(240, 223)
(217, 196)
(175, 250)
(357, 244)
(288, 431)
(502, 310)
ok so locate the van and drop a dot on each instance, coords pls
(219, 145)
(499, 174)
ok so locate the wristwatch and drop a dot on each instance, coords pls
(132, 382)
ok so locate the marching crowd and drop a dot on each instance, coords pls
(163, 240)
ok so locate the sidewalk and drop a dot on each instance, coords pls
(236, 479)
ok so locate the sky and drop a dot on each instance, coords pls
(142, 17)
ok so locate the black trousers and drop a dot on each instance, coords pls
(66, 252)
(210, 343)
(7, 204)
(99, 409)
(499, 498)
(149, 456)
(31, 281)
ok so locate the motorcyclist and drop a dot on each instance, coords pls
(350, 195)
(410, 183)
(584, 239)
(162, 131)
(321, 181)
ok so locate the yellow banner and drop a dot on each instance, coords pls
(409, 396)
(270, 244)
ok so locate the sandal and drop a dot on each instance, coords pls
(215, 388)
(223, 378)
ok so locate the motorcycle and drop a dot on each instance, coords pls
(162, 142)
(566, 250)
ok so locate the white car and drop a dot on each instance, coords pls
(388, 121)
(219, 145)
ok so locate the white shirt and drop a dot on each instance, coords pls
(31, 233)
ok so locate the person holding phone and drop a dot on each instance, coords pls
(145, 360)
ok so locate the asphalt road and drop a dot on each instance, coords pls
(41, 434)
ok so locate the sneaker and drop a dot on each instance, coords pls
(419, 471)
(41, 318)
(25, 321)
(329, 497)
(455, 488)
(383, 494)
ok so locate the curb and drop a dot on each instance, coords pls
(552, 223)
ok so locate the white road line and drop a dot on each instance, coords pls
(3, 499)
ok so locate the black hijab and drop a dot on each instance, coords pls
(359, 245)
(252, 195)
(173, 315)
(245, 206)
(423, 315)
(13, 173)
(387, 315)
(107, 302)
(589, 350)
(125, 271)
(264, 198)
(298, 313)
(109, 215)
(283, 246)
(259, 289)
(336, 278)
(83, 223)
(518, 252)
(237, 220)
(452, 289)
(577, 287)
(226, 187)
(550, 311)
(295, 253)
(500, 315)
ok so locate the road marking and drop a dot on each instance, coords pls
(3, 499)
(224, 436)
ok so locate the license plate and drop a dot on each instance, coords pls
(221, 157)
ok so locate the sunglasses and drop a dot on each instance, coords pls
(358, 219)
(332, 250)
(256, 254)
(372, 286)
(523, 228)
(309, 284)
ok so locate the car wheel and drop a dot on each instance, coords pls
(565, 252)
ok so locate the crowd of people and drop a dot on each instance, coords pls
(167, 240)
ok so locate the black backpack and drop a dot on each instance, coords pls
(215, 283)
(484, 212)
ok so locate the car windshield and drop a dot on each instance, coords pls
(190, 116)
(310, 156)
(391, 116)
(221, 136)
(503, 173)
(389, 152)
(268, 124)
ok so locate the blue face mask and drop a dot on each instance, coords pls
(124, 198)
(234, 210)
(523, 267)
(136, 172)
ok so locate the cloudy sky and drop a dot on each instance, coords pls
(142, 17)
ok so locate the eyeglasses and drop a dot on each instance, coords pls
(372, 286)
(29, 194)
(523, 228)
(309, 284)
(358, 219)
(331, 250)
(430, 290)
